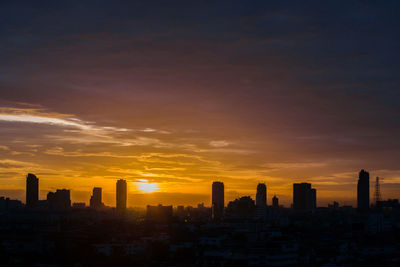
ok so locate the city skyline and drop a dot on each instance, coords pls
(170, 99)
(304, 197)
(199, 133)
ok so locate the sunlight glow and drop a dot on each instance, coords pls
(147, 187)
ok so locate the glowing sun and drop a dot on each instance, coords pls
(147, 187)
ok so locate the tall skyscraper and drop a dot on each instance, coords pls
(261, 196)
(121, 195)
(304, 197)
(275, 202)
(218, 203)
(95, 199)
(363, 191)
(32, 190)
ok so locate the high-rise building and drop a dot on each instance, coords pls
(304, 197)
(314, 198)
(61, 199)
(275, 202)
(95, 199)
(32, 190)
(261, 196)
(218, 203)
(363, 191)
(121, 195)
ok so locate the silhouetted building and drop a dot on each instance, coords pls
(189, 210)
(10, 204)
(314, 198)
(79, 205)
(121, 195)
(32, 190)
(243, 206)
(275, 202)
(334, 206)
(180, 211)
(61, 199)
(304, 197)
(261, 196)
(95, 199)
(390, 204)
(160, 213)
(363, 191)
(218, 203)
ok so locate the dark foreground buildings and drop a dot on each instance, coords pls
(363, 191)
(218, 203)
(80, 236)
(159, 214)
(304, 197)
(32, 190)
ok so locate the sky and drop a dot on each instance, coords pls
(173, 95)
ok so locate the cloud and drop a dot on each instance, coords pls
(16, 163)
(77, 131)
(40, 117)
(148, 130)
(287, 165)
(59, 151)
(179, 158)
(221, 143)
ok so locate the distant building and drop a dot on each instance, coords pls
(261, 196)
(95, 199)
(363, 191)
(180, 211)
(218, 202)
(79, 205)
(243, 206)
(304, 197)
(180, 208)
(9, 204)
(160, 213)
(61, 199)
(334, 206)
(32, 190)
(390, 204)
(189, 210)
(121, 195)
(275, 202)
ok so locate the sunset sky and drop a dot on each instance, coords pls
(172, 95)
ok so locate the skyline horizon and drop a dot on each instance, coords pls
(107, 196)
(255, 116)
(171, 99)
